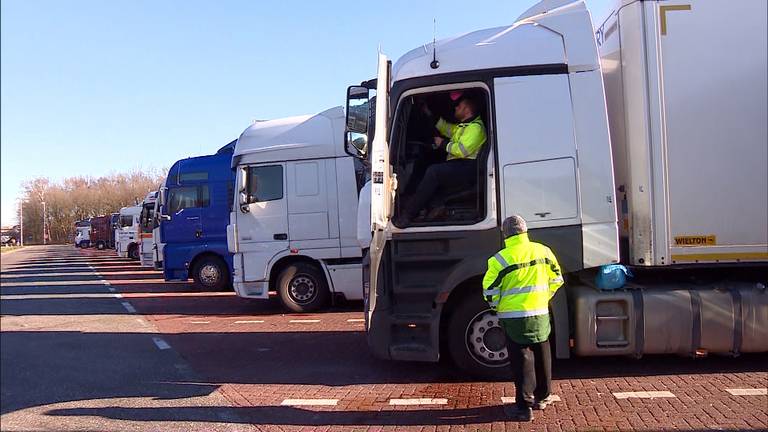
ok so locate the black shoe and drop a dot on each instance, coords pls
(517, 413)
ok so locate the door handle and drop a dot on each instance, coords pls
(280, 236)
(543, 214)
(193, 218)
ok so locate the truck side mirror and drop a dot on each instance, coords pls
(161, 198)
(358, 114)
(243, 199)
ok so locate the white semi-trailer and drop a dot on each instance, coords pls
(127, 232)
(293, 223)
(650, 152)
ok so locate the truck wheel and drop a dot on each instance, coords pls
(302, 287)
(100, 245)
(211, 273)
(133, 252)
(476, 341)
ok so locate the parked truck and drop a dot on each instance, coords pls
(83, 233)
(101, 227)
(194, 211)
(292, 227)
(649, 152)
(127, 232)
(146, 225)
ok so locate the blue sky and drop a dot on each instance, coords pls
(93, 87)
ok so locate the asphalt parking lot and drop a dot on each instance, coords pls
(94, 342)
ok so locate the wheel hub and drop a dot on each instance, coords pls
(486, 340)
(209, 274)
(302, 289)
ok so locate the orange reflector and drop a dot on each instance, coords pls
(294, 251)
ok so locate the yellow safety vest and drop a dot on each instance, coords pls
(521, 278)
(466, 139)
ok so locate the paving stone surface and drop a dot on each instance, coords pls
(313, 372)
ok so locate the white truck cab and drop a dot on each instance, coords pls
(674, 187)
(146, 229)
(83, 236)
(127, 232)
(293, 223)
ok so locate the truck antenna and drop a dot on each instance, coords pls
(435, 64)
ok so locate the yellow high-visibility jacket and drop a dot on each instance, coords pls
(520, 281)
(465, 139)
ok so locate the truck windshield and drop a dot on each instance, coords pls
(126, 220)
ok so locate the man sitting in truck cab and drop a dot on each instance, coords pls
(462, 141)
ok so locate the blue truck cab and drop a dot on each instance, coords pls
(194, 213)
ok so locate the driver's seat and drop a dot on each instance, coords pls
(462, 203)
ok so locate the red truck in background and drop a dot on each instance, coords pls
(102, 234)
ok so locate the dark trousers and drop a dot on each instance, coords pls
(532, 370)
(449, 174)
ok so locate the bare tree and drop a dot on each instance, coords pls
(77, 198)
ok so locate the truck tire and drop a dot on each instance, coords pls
(302, 287)
(211, 274)
(100, 245)
(133, 252)
(476, 343)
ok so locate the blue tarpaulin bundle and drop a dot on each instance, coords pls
(611, 277)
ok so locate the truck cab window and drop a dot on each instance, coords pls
(193, 176)
(181, 198)
(126, 220)
(147, 217)
(440, 146)
(265, 183)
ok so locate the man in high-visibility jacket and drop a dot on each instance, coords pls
(462, 141)
(520, 281)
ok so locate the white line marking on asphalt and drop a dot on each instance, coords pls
(418, 401)
(644, 395)
(748, 391)
(309, 402)
(200, 322)
(53, 296)
(305, 321)
(141, 321)
(51, 283)
(117, 295)
(111, 289)
(356, 320)
(128, 307)
(161, 344)
(511, 400)
(105, 282)
(249, 322)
